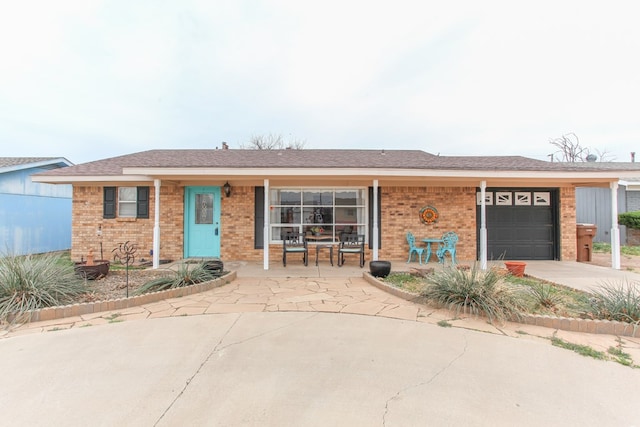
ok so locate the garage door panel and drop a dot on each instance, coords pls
(525, 232)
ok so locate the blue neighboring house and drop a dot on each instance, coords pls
(34, 217)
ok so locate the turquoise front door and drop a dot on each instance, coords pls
(202, 222)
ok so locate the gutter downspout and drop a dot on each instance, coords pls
(615, 230)
(375, 220)
(483, 225)
(156, 225)
(265, 231)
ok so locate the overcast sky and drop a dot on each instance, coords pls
(88, 80)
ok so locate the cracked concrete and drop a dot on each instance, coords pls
(304, 369)
(304, 352)
(422, 383)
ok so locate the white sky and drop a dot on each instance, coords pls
(88, 80)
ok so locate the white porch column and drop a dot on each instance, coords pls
(483, 225)
(265, 231)
(615, 230)
(375, 220)
(156, 225)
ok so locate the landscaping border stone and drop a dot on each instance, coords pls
(60, 312)
(605, 327)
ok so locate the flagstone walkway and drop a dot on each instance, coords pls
(346, 295)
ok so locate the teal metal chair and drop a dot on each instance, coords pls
(413, 249)
(449, 241)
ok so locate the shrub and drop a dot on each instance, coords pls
(183, 276)
(617, 301)
(630, 219)
(36, 281)
(474, 291)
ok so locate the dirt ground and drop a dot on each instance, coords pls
(627, 262)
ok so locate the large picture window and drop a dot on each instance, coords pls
(325, 211)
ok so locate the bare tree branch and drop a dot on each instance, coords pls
(570, 150)
(272, 142)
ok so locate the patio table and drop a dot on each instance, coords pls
(428, 242)
(319, 246)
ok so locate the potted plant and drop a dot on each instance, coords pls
(317, 230)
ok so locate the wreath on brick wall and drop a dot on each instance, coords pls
(429, 215)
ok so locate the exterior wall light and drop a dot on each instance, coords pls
(227, 189)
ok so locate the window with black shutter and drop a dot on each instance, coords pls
(131, 202)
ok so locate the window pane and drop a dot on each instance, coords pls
(285, 215)
(318, 215)
(346, 215)
(349, 197)
(127, 194)
(278, 233)
(318, 197)
(204, 209)
(127, 209)
(286, 197)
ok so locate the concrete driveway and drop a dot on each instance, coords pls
(304, 369)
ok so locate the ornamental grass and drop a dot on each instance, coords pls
(32, 282)
(475, 292)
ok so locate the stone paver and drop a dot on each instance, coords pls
(353, 295)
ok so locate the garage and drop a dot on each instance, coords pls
(521, 224)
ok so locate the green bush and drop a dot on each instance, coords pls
(630, 219)
(474, 291)
(36, 281)
(617, 301)
(183, 276)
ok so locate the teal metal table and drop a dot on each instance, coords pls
(428, 242)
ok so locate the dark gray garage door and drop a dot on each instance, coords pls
(521, 224)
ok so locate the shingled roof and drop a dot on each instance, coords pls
(282, 159)
(12, 163)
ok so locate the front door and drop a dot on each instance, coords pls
(202, 222)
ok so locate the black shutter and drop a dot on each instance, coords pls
(371, 218)
(142, 210)
(109, 202)
(259, 219)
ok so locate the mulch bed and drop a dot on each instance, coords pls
(114, 285)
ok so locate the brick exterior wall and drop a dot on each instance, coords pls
(87, 218)
(400, 212)
(568, 240)
(237, 217)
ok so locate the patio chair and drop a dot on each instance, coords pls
(294, 242)
(449, 241)
(413, 249)
(351, 244)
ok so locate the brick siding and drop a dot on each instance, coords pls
(568, 240)
(400, 212)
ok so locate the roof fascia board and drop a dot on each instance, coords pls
(427, 173)
(41, 163)
(94, 178)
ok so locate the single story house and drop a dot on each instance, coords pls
(34, 217)
(237, 203)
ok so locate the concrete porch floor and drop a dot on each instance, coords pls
(577, 275)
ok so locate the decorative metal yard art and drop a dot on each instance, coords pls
(125, 254)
